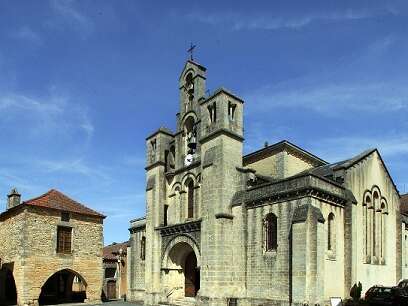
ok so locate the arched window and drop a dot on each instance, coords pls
(165, 214)
(384, 212)
(271, 232)
(375, 222)
(143, 248)
(189, 85)
(367, 227)
(331, 233)
(375, 210)
(190, 199)
(190, 135)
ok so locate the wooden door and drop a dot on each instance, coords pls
(111, 290)
(192, 278)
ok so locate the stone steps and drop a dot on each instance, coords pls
(185, 301)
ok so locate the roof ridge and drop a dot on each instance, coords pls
(64, 202)
(282, 143)
(76, 202)
(38, 197)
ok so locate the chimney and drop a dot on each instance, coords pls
(13, 198)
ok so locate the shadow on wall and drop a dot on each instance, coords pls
(65, 286)
(8, 290)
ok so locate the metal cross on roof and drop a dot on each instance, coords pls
(190, 50)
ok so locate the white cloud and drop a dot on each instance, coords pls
(56, 113)
(269, 22)
(76, 166)
(16, 102)
(332, 99)
(340, 148)
(71, 16)
(27, 34)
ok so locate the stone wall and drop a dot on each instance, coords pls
(362, 177)
(271, 166)
(136, 267)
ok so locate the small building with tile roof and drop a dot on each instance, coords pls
(51, 250)
(115, 270)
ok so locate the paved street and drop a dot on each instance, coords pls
(112, 303)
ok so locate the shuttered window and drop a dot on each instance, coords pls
(64, 240)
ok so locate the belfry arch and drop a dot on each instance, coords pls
(181, 268)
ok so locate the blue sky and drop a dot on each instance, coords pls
(82, 83)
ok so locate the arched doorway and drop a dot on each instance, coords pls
(64, 286)
(191, 275)
(181, 274)
(8, 290)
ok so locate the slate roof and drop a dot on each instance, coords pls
(404, 204)
(55, 199)
(110, 251)
(328, 170)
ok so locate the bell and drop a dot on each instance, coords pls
(192, 145)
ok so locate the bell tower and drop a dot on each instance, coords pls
(192, 92)
(192, 86)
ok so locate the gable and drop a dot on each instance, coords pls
(281, 160)
(362, 159)
(368, 173)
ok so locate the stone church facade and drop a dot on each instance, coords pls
(278, 226)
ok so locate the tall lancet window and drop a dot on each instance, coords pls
(271, 232)
(190, 199)
(375, 223)
(367, 227)
(189, 88)
(331, 233)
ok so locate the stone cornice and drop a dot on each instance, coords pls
(155, 164)
(187, 227)
(161, 131)
(221, 131)
(137, 228)
(292, 188)
(183, 169)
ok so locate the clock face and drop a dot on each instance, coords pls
(188, 160)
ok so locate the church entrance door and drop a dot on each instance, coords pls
(192, 276)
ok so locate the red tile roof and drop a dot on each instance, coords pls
(56, 200)
(404, 204)
(110, 251)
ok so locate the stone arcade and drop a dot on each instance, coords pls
(278, 226)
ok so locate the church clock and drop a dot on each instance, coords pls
(188, 159)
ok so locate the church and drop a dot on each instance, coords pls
(278, 226)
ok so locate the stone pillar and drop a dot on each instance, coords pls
(299, 234)
(307, 255)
